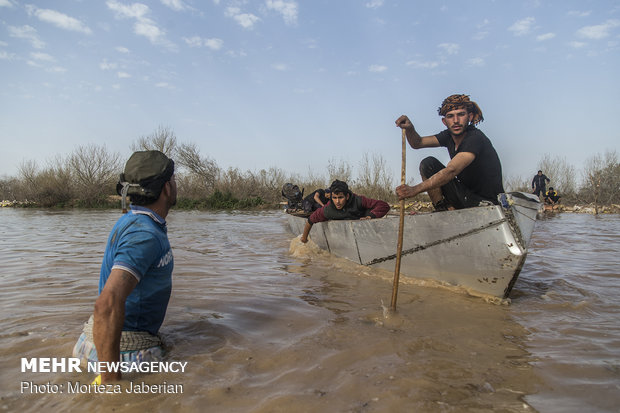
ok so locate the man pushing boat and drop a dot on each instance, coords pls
(344, 204)
(473, 176)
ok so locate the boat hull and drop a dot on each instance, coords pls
(482, 249)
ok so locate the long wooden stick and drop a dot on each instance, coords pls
(401, 224)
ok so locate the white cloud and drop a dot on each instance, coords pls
(449, 48)
(56, 69)
(522, 27)
(197, 41)
(279, 67)
(58, 19)
(149, 30)
(41, 56)
(577, 13)
(123, 75)
(6, 56)
(122, 49)
(135, 11)
(422, 65)
(546, 36)
(476, 62)
(214, 43)
(105, 65)
(288, 10)
(599, 31)
(144, 25)
(577, 45)
(176, 5)
(374, 4)
(245, 20)
(480, 35)
(240, 53)
(377, 68)
(27, 33)
(6, 3)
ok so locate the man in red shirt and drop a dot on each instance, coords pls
(344, 204)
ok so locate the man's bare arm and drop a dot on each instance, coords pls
(304, 236)
(317, 198)
(454, 167)
(109, 316)
(413, 137)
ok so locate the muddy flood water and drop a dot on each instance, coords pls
(268, 325)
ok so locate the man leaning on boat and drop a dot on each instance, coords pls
(344, 204)
(473, 176)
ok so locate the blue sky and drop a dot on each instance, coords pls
(293, 84)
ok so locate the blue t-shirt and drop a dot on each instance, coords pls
(139, 244)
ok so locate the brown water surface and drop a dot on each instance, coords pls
(268, 325)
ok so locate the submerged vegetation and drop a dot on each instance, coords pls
(88, 176)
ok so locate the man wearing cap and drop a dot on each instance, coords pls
(136, 273)
(344, 204)
(474, 174)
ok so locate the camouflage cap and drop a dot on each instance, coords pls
(145, 173)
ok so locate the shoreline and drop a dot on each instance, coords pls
(412, 207)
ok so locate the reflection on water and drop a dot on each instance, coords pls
(267, 325)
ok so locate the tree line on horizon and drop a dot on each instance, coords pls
(87, 178)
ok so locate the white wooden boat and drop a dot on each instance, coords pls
(482, 249)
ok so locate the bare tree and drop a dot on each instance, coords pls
(340, 171)
(51, 186)
(163, 140)
(204, 170)
(95, 171)
(516, 184)
(374, 178)
(602, 179)
(28, 171)
(561, 174)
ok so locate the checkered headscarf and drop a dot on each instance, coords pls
(461, 101)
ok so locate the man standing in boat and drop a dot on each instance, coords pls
(473, 176)
(344, 204)
(136, 273)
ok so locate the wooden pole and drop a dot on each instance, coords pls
(401, 224)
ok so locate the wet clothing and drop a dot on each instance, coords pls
(539, 184)
(480, 180)
(357, 206)
(139, 244)
(135, 346)
(310, 204)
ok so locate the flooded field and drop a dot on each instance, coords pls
(268, 325)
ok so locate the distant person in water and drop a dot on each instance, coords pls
(135, 281)
(473, 176)
(344, 204)
(316, 200)
(552, 197)
(539, 185)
